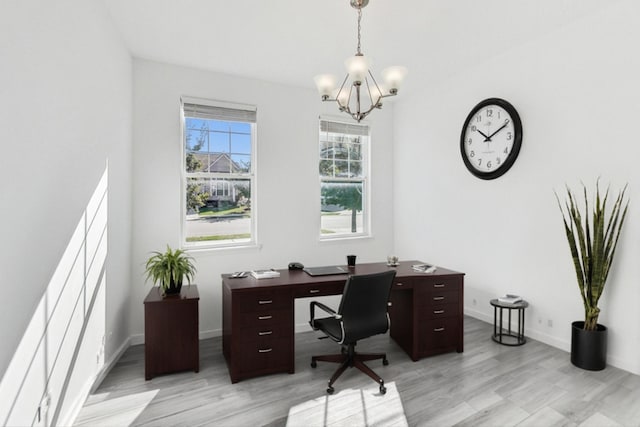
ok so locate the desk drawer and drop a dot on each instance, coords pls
(439, 311)
(262, 319)
(262, 301)
(439, 334)
(400, 284)
(265, 354)
(431, 299)
(316, 290)
(256, 332)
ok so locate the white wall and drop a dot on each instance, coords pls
(65, 119)
(288, 194)
(578, 94)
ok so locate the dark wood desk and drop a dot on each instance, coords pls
(258, 315)
(171, 332)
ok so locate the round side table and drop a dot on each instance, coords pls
(508, 337)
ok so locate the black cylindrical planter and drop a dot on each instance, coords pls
(588, 348)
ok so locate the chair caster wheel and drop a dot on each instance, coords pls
(385, 362)
(313, 364)
(330, 390)
(383, 389)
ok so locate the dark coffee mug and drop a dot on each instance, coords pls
(351, 260)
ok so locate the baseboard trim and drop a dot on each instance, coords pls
(93, 383)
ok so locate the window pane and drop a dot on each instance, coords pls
(241, 163)
(326, 150)
(341, 205)
(241, 143)
(220, 142)
(341, 151)
(218, 209)
(326, 168)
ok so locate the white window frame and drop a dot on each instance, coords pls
(251, 176)
(365, 180)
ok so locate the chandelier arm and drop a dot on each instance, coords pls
(341, 88)
(377, 88)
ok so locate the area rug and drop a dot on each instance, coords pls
(366, 407)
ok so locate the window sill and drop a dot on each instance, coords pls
(343, 238)
(249, 246)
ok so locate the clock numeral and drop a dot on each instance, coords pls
(474, 128)
(478, 118)
(506, 150)
(509, 136)
(479, 162)
(498, 160)
(472, 153)
(470, 141)
(489, 112)
(489, 164)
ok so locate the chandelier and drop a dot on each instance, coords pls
(359, 85)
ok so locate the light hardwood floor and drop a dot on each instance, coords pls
(487, 385)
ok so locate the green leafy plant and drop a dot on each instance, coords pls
(593, 244)
(168, 269)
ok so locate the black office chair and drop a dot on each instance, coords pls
(362, 314)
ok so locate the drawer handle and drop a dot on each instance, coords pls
(438, 285)
(314, 291)
(438, 329)
(399, 284)
(266, 350)
(263, 333)
(264, 317)
(438, 311)
(268, 301)
(438, 298)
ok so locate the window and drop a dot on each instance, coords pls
(219, 165)
(343, 179)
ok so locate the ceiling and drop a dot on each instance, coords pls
(290, 41)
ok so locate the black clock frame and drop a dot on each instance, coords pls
(517, 138)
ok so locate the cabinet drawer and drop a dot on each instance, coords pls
(265, 354)
(261, 301)
(311, 290)
(266, 318)
(430, 299)
(438, 311)
(440, 334)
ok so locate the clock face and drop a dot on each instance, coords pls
(491, 138)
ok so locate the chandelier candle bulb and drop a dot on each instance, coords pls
(325, 83)
(358, 68)
(393, 77)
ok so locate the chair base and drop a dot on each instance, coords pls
(348, 358)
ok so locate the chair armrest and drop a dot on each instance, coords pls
(323, 307)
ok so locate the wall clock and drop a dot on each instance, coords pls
(491, 138)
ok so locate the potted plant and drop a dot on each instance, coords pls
(593, 244)
(168, 270)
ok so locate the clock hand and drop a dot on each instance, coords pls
(487, 138)
(499, 129)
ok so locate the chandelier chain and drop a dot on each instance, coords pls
(359, 18)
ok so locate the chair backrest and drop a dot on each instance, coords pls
(364, 305)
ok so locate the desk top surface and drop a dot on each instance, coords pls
(299, 277)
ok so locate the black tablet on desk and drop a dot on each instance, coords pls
(325, 271)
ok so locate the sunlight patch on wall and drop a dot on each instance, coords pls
(33, 388)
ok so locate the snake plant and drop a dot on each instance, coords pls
(168, 269)
(593, 244)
